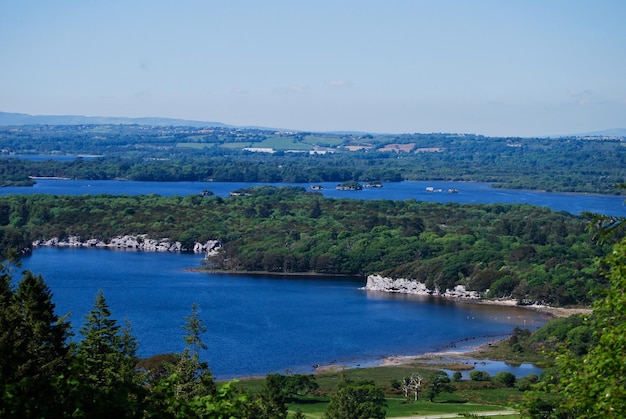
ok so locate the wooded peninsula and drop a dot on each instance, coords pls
(532, 254)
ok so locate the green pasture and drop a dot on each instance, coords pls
(239, 145)
(469, 397)
(324, 141)
(198, 146)
(283, 143)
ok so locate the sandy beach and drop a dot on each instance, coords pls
(551, 311)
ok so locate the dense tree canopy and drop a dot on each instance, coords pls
(185, 153)
(356, 400)
(593, 385)
(519, 251)
(33, 349)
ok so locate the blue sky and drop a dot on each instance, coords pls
(498, 68)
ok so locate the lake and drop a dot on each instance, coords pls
(468, 192)
(261, 324)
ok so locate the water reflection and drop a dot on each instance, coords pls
(518, 316)
(494, 367)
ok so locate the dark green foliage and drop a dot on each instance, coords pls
(44, 376)
(191, 377)
(479, 375)
(520, 251)
(457, 376)
(507, 379)
(156, 366)
(13, 242)
(543, 409)
(105, 366)
(271, 398)
(190, 153)
(594, 385)
(227, 402)
(294, 385)
(33, 349)
(356, 400)
(526, 383)
(438, 382)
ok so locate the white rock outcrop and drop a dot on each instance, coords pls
(135, 242)
(409, 286)
(210, 248)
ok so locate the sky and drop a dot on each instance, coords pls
(490, 67)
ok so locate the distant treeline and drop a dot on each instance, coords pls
(220, 154)
(520, 251)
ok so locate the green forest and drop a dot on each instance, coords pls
(521, 252)
(45, 372)
(532, 254)
(144, 153)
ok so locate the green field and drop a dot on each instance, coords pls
(283, 143)
(196, 145)
(324, 141)
(238, 145)
(468, 397)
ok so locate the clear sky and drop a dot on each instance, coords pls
(492, 67)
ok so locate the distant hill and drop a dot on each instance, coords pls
(615, 132)
(7, 118)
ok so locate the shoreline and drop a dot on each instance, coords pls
(446, 355)
(258, 273)
(449, 354)
(553, 312)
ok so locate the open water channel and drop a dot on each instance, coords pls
(261, 324)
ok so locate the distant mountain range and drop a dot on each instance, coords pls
(616, 132)
(7, 118)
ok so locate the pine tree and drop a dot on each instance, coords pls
(106, 365)
(193, 377)
(33, 350)
(271, 398)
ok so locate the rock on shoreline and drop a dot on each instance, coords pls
(134, 242)
(408, 286)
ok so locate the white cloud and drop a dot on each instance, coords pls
(339, 84)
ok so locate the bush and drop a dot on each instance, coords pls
(505, 378)
(523, 384)
(479, 376)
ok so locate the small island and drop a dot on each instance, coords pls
(350, 185)
(373, 185)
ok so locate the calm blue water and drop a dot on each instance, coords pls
(469, 192)
(262, 324)
(494, 367)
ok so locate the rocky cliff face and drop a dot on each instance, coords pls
(134, 242)
(408, 286)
